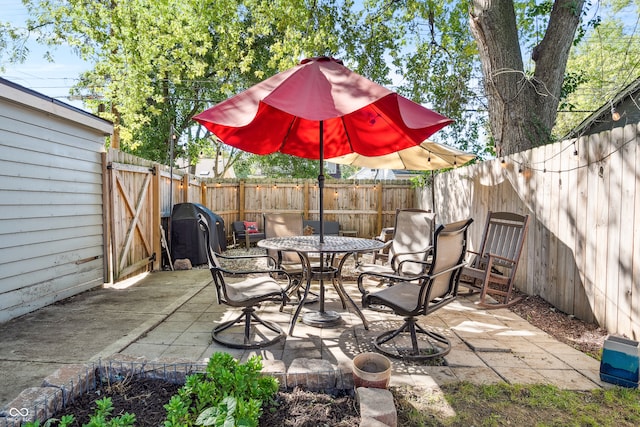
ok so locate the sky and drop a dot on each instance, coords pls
(51, 79)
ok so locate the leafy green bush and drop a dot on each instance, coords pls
(228, 394)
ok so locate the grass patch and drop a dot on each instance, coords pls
(466, 404)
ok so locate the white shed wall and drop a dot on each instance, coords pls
(51, 213)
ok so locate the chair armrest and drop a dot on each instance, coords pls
(402, 263)
(383, 276)
(491, 256)
(246, 257)
(493, 261)
(239, 257)
(439, 273)
(427, 251)
(424, 251)
(232, 257)
(387, 244)
(256, 271)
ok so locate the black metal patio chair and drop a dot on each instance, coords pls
(260, 286)
(420, 295)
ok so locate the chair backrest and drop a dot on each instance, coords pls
(503, 235)
(413, 232)
(214, 263)
(449, 250)
(329, 227)
(238, 227)
(283, 225)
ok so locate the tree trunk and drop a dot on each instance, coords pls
(522, 109)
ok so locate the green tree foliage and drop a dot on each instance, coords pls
(439, 59)
(602, 64)
(157, 63)
(279, 165)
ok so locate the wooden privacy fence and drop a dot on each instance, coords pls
(140, 196)
(582, 252)
(362, 206)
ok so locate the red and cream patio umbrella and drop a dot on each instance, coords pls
(320, 109)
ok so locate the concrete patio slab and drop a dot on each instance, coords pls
(171, 314)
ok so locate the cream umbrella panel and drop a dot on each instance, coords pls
(428, 155)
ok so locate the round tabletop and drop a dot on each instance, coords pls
(331, 244)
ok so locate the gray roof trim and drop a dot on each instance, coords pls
(33, 99)
(604, 110)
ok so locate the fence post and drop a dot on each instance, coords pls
(185, 187)
(156, 214)
(241, 201)
(306, 200)
(107, 206)
(203, 193)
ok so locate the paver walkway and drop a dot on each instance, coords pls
(171, 314)
(488, 346)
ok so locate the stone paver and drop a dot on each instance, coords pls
(377, 404)
(567, 379)
(477, 375)
(542, 360)
(517, 375)
(464, 358)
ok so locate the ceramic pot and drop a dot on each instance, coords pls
(371, 370)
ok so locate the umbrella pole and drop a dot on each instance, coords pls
(321, 181)
(322, 318)
(321, 231)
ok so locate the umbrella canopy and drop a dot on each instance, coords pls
(320, 109)
(426, 156)
(283, 114)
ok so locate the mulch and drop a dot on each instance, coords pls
(586, 337)
(143, 397)
(146, 398)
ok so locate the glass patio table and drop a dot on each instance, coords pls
(332, 245)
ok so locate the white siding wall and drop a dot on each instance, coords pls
(51, 221)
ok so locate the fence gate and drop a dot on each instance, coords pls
(131, 211)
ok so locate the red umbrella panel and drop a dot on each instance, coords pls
(320, 109)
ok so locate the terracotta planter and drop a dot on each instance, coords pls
(371, 370)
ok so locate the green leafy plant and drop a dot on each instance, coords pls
(101, 418)
(64, 421)
(222, 415)
(227, 394)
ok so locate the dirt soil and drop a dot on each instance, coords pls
(586, 337)
(140, 396)
(300, 408)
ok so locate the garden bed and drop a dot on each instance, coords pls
(146, 397)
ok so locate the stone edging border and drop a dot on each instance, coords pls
(40, 403)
